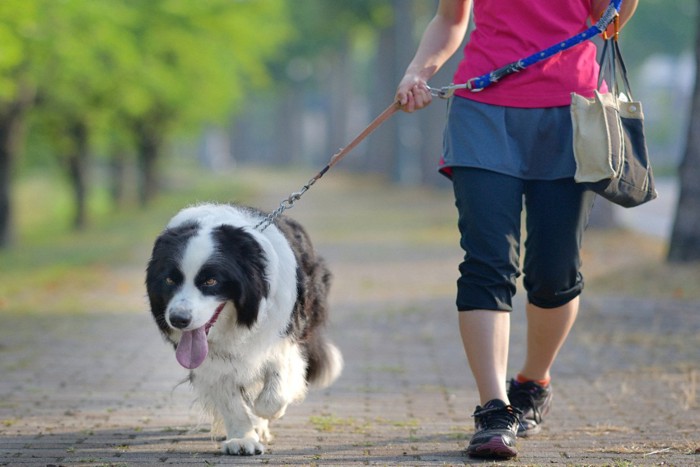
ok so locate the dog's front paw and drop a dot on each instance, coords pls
(242, 447)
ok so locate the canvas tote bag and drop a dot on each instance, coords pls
(609, 141)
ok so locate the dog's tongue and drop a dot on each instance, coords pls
(192, 348)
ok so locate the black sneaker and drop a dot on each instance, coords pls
(496, 429)
(533, 401)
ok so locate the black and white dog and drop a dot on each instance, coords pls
(244, 310)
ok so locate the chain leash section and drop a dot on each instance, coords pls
(284, 205)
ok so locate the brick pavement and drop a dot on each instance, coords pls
(98, 388)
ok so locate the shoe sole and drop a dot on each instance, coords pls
(493, 448)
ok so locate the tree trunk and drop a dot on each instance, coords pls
(5, 179)
(77, 169)
(685, 237)
(117, 177)
(148, 143)
(11, 129)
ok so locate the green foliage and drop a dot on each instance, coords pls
(106, 62)
(18, 24)
(199, 58)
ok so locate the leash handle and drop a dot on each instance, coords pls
(288, 202)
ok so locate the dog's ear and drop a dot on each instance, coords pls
(167, 253)
(244, 264)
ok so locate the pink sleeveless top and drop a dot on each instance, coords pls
(508, 30)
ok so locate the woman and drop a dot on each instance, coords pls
(507, 146)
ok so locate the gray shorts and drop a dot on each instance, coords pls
(533, 144)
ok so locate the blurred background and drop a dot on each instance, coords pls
(115, 111)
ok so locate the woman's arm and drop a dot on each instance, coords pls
(441, 38)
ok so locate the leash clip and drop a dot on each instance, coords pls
(446, 92)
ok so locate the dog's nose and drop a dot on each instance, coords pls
(180, 318)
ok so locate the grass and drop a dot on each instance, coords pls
(650, 449)
(329, 423)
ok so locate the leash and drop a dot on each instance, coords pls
(288, 202)
(480, 82)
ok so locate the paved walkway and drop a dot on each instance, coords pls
(99, 388)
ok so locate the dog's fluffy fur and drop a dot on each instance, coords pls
(244, 310)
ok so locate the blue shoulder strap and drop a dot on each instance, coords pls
(480, 82)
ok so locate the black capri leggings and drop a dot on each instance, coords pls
(490, 206)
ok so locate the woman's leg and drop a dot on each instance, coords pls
(490, 207)
(557, 214)
(485, 336)
(547, 329)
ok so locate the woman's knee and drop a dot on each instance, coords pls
(553, 292)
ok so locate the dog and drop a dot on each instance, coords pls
(244, 308)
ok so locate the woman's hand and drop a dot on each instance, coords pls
(412, 93)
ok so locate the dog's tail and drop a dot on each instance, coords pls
(325, 363)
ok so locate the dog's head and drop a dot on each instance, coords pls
(194, 273)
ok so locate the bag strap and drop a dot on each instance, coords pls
(623, 69)
(612, 66)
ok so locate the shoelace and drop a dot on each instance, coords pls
(498, 417)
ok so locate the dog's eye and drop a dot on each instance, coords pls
(211, 282)
(169, 281)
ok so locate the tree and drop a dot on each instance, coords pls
(81, 42)
(195, 62)
(17, 90)
(685, 237)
